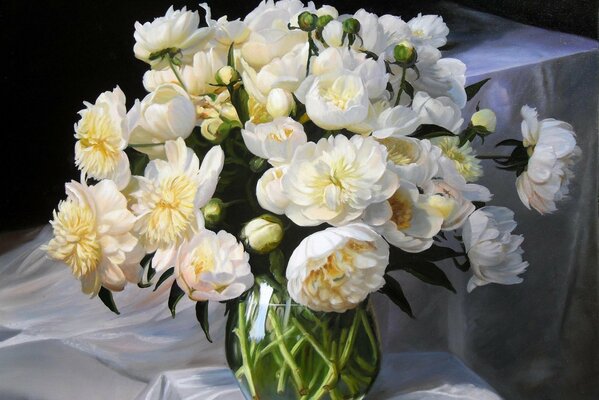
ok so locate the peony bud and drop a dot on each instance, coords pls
(228, 112)
(485, 118)
(279, 103)
(307, 21)
(227, 75)
(263, 234)
(405, 53)
(323, 20)
(214, 212)
(215, 130)
(351, 26)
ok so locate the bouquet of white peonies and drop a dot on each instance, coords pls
(332, 148)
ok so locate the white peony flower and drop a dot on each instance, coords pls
(270, 38)
(166, 114)
(332, 34)
(269, 191)
(441, 111)
(177, 31)
(371, 32)
(405, 220)
(463, 157)
(396, 121)
(170, 196)
(226, 32)
(428, 30)
(495, 254)
(411, 159)
(336, 269)
(263, 234)
(275, 141)
(551, 145)
(395, 30)
(199, 77)
(335, 179)
(92, 235)
(279, 103)
(335, 100)
(213, 266)
(102, 136)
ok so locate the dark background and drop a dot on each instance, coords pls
(58, 54)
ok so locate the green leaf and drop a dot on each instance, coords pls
(428, 272)
(137, 161)
(393, 290)
(277, 260)
(231, 57)
(106, 296)
(167, 274)
(148, 272)
(408, 88)
(428, 131)
(173, 298)
(509, 142)
(202, 316)
(240, 102)
(258, 164)
(473, 89)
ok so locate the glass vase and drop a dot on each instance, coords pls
(279, 349)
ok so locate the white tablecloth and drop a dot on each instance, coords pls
(535, 340)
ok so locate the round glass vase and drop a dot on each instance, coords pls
(283, 350)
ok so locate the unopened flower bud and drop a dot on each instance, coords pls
(214, 212)
(351, 26)
(323, 20)
(307, 21)
(226, 75)
(485, 118)
(279, 103)
(211, 130)
(263, 234)
(405, 53)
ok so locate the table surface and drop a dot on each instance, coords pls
(57, 344)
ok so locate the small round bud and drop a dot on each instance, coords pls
(323, 20)
(351, 26)
(307, 21)
(405, 53)
(226, 75)
(485, 118)
(279, 103)
(263, 234)
(214, 212)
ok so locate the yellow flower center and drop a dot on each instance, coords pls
(419, 33)
(99, 142)
(466, 164)
(281, 135)
(401, 206)
(75, 239)
(174, 212)
(258, 112)
(336, 268)
(202, 260)
(400, 152)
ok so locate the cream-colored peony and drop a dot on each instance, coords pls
(93, 236)
(102, 136)
(198, 77)
(165, 114)
(177, 32)
(213, 266)
(337, 268)
(372, 34)
(495, 254)
(412, 159)
(169, 198)
(270, 37)
(269, 190)
(335, 179)
(463, 157)
(428, 30)
(405, 220)
(396, 121)
(441, 111)
(451, 196)
(275, 141)
(552, 150)
(226, 32)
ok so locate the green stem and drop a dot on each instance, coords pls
(349, 344)
(241, 335)
(295, 371)
(172, 65)
(369, 333)
(403, 81)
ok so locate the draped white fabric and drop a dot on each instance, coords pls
(534, 340)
